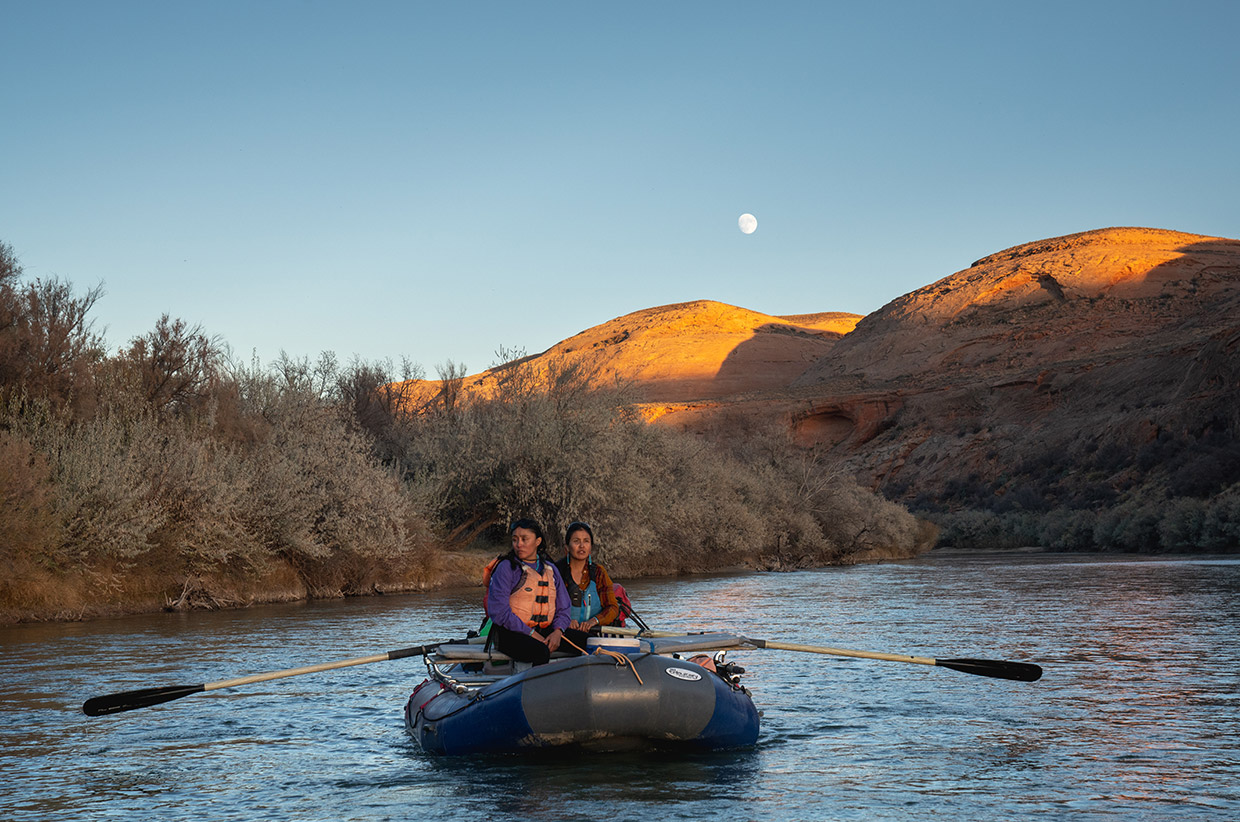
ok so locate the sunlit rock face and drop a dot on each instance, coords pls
(1043, 353)
(1052, 300)
(687, 352)
(704, 349)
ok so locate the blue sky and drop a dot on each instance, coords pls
(441, 180)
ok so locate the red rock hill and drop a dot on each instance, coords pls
(1073, 374)
(689, 351)
(1063, 373)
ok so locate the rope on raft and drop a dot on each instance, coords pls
(621, 659)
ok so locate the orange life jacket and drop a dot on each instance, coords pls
(534, 600)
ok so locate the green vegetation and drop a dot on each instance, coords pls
(1115, 490)
(167, 474)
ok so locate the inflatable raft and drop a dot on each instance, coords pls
(633, 694)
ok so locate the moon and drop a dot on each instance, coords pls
(748, 223)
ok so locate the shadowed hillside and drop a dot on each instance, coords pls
(1079, 391)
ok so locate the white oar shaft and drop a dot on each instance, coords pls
(788, 646)
(309, 669)
(821, 649)
(996, 668)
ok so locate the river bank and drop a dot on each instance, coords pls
(34, 594)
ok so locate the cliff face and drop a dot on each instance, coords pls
(1068, 375)
(1112, 334)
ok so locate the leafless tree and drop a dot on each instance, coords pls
(452, 379)
(48, 346)
(175, 365)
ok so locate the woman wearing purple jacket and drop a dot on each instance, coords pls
(527, 601)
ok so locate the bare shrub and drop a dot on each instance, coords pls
(517, 453)
(862, 522)
(48, 347)
(301, 487)
(451, 379)
(378, 398)
(173, 367)
(814, 509)
(102, 488)
(319, 499)
(29, 526)
(10, 268)
(203, 488)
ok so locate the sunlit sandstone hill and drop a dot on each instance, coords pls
(690, 351)
(1059, 374)
(1089, 328)
(705, 349)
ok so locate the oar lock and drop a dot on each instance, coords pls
(730, 671)
(450, 683)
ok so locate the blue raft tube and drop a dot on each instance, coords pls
(626, 694)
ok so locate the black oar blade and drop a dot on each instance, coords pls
(999, 669)
(131, 700)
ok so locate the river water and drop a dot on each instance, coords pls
(1137, 716)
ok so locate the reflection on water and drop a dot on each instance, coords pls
(1137, 716)
(563, 785)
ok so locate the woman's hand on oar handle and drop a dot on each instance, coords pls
(146, 697)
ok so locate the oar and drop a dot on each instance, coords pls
(145, 697)
(997, 668)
